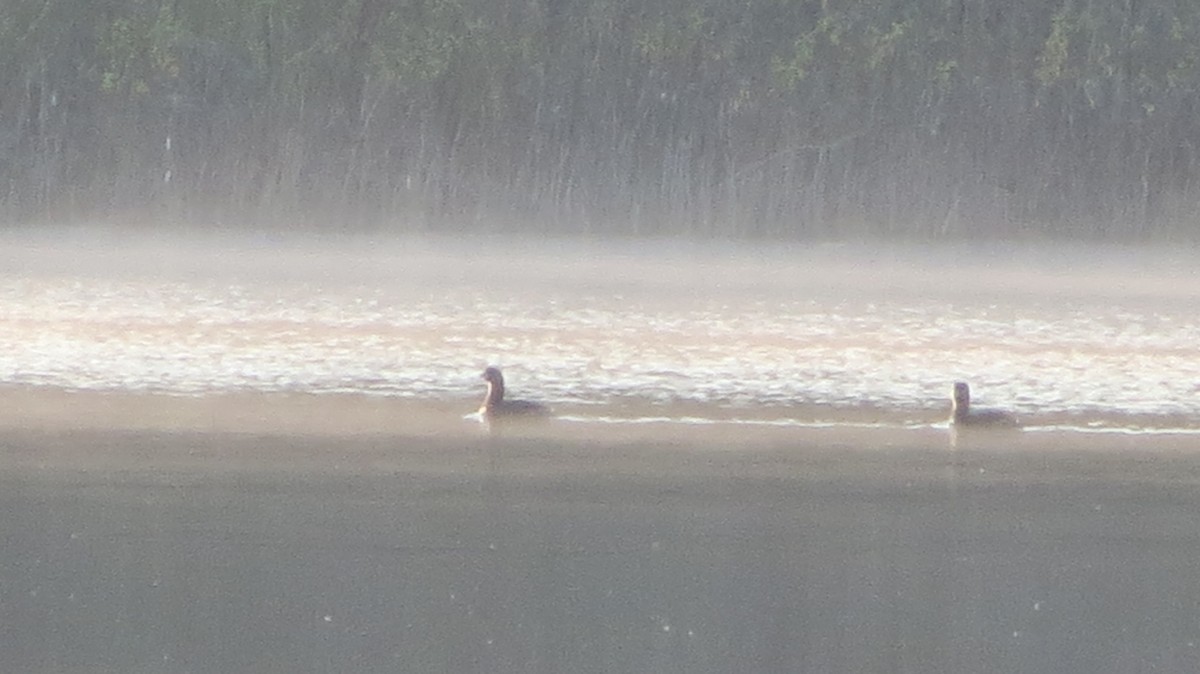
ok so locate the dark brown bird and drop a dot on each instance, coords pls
(495, 405)
(961, 413)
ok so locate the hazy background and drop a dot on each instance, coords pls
(920, 118)
(246, 450)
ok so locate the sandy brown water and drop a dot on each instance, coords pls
(798, 333)
(150, 533)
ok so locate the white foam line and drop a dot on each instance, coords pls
(942, 425)
(1113, 430)
(787, 423)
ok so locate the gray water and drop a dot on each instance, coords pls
(144, 552)
(1089, 337)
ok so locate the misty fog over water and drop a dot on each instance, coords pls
(800, 333)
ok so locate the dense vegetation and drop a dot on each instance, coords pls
(818, 118)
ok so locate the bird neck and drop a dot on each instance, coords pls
(495, 394)
(961, 408)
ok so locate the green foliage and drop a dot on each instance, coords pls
(882, 45)
(943, 73)
(674, 36)
(1052, 61)
(756, 117)
(789, 71)
(418, 51)
(139, 49)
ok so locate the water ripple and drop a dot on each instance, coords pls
(599, 343)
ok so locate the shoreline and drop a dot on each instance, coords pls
(25, 404)
(443, 447)
(364, 415)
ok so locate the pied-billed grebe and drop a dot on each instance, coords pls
(494, 404)
(961, 413)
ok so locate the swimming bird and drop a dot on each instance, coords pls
(961, 413)
(495, 406)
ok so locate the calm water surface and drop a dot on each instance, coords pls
(1094, 337)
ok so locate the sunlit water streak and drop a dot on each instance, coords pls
(795, 335)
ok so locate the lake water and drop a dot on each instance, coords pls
(1090, 338)
(300, 491)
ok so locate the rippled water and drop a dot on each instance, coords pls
(1097, 335)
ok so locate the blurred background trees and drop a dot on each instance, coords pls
(780, 118)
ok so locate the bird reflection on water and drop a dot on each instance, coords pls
(965, 421)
